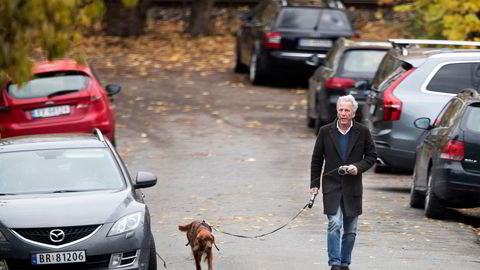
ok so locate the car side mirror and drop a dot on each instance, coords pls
(313, 61)
(356, 34)
(244, 16)
(112, 89)
(422, 123)
(145, 180)
(362, 85)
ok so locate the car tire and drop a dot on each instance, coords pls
(417, 200)
(434, 208)
(256, 73)
(152, 262)
(310, 120)
(381, 169)
(239, 66)
(318, 124)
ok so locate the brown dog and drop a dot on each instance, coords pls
(201, 240)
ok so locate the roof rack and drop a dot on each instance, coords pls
(98, 134)
(399, 43)
(403, 44)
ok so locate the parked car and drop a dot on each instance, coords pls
(447, 165)
(68, 202)
(63, 96)
(347, 63)
(411, 83)
(276, 38)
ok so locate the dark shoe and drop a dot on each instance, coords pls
(336, 267)
(344, 268)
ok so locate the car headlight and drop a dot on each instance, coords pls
(2, 238)
(126, 224)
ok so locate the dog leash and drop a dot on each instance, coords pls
(309, 205)
(164, 262)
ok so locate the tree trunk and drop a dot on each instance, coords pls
(200, 24)
(124, 21)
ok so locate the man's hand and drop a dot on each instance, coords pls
(352, 169)
(314, 190)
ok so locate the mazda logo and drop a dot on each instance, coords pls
(57, 235)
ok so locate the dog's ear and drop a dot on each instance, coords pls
(185, 228)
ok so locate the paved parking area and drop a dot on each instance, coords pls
(239, 156)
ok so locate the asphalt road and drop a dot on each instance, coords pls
(238, 157)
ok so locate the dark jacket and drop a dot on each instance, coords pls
(361, 153)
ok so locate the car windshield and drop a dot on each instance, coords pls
(362, 61)
(59, 170)
(310, 18)
(48, 84)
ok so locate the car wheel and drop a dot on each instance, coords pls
(310, 120)
(239, 66)
(434, 208)
(381, 169)
(152, 262)
(417, 200)
(256, 73)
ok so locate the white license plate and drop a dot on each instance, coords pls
(315, 43)
(59, 257)
(51, 111)
(372, 109)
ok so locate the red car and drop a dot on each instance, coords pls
(63, 96)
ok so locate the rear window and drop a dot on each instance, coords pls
(309, 18)
(472, 118)
(46, 84)
(46, 171)
(451, 78)
(389, 67)
(362, 61)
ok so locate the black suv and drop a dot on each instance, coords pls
(447, 167)
(276, 38)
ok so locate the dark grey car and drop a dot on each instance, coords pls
(412, 83)
(68, 202)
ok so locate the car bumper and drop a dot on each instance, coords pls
(455, 186)
(83, 125)
(291, 63)
(392, 157)
(98, 249)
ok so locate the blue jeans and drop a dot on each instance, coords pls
(340, 253)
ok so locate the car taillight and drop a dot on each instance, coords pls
(272, 40)
(392, 106)
(339, 83)
(94, 100)
(453, 150)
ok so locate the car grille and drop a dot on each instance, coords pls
(92, 263)
(42, 235)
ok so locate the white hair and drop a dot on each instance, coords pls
(348, 98)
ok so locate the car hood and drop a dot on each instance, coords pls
(61, 210)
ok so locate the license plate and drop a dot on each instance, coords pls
(315, 43)
(50, 111)
(59, 257)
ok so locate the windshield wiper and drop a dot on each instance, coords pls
(5, 194)
(65, 191)
(61, 92)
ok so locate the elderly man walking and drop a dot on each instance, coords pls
(348, 145)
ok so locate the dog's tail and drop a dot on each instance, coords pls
(184, 228)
